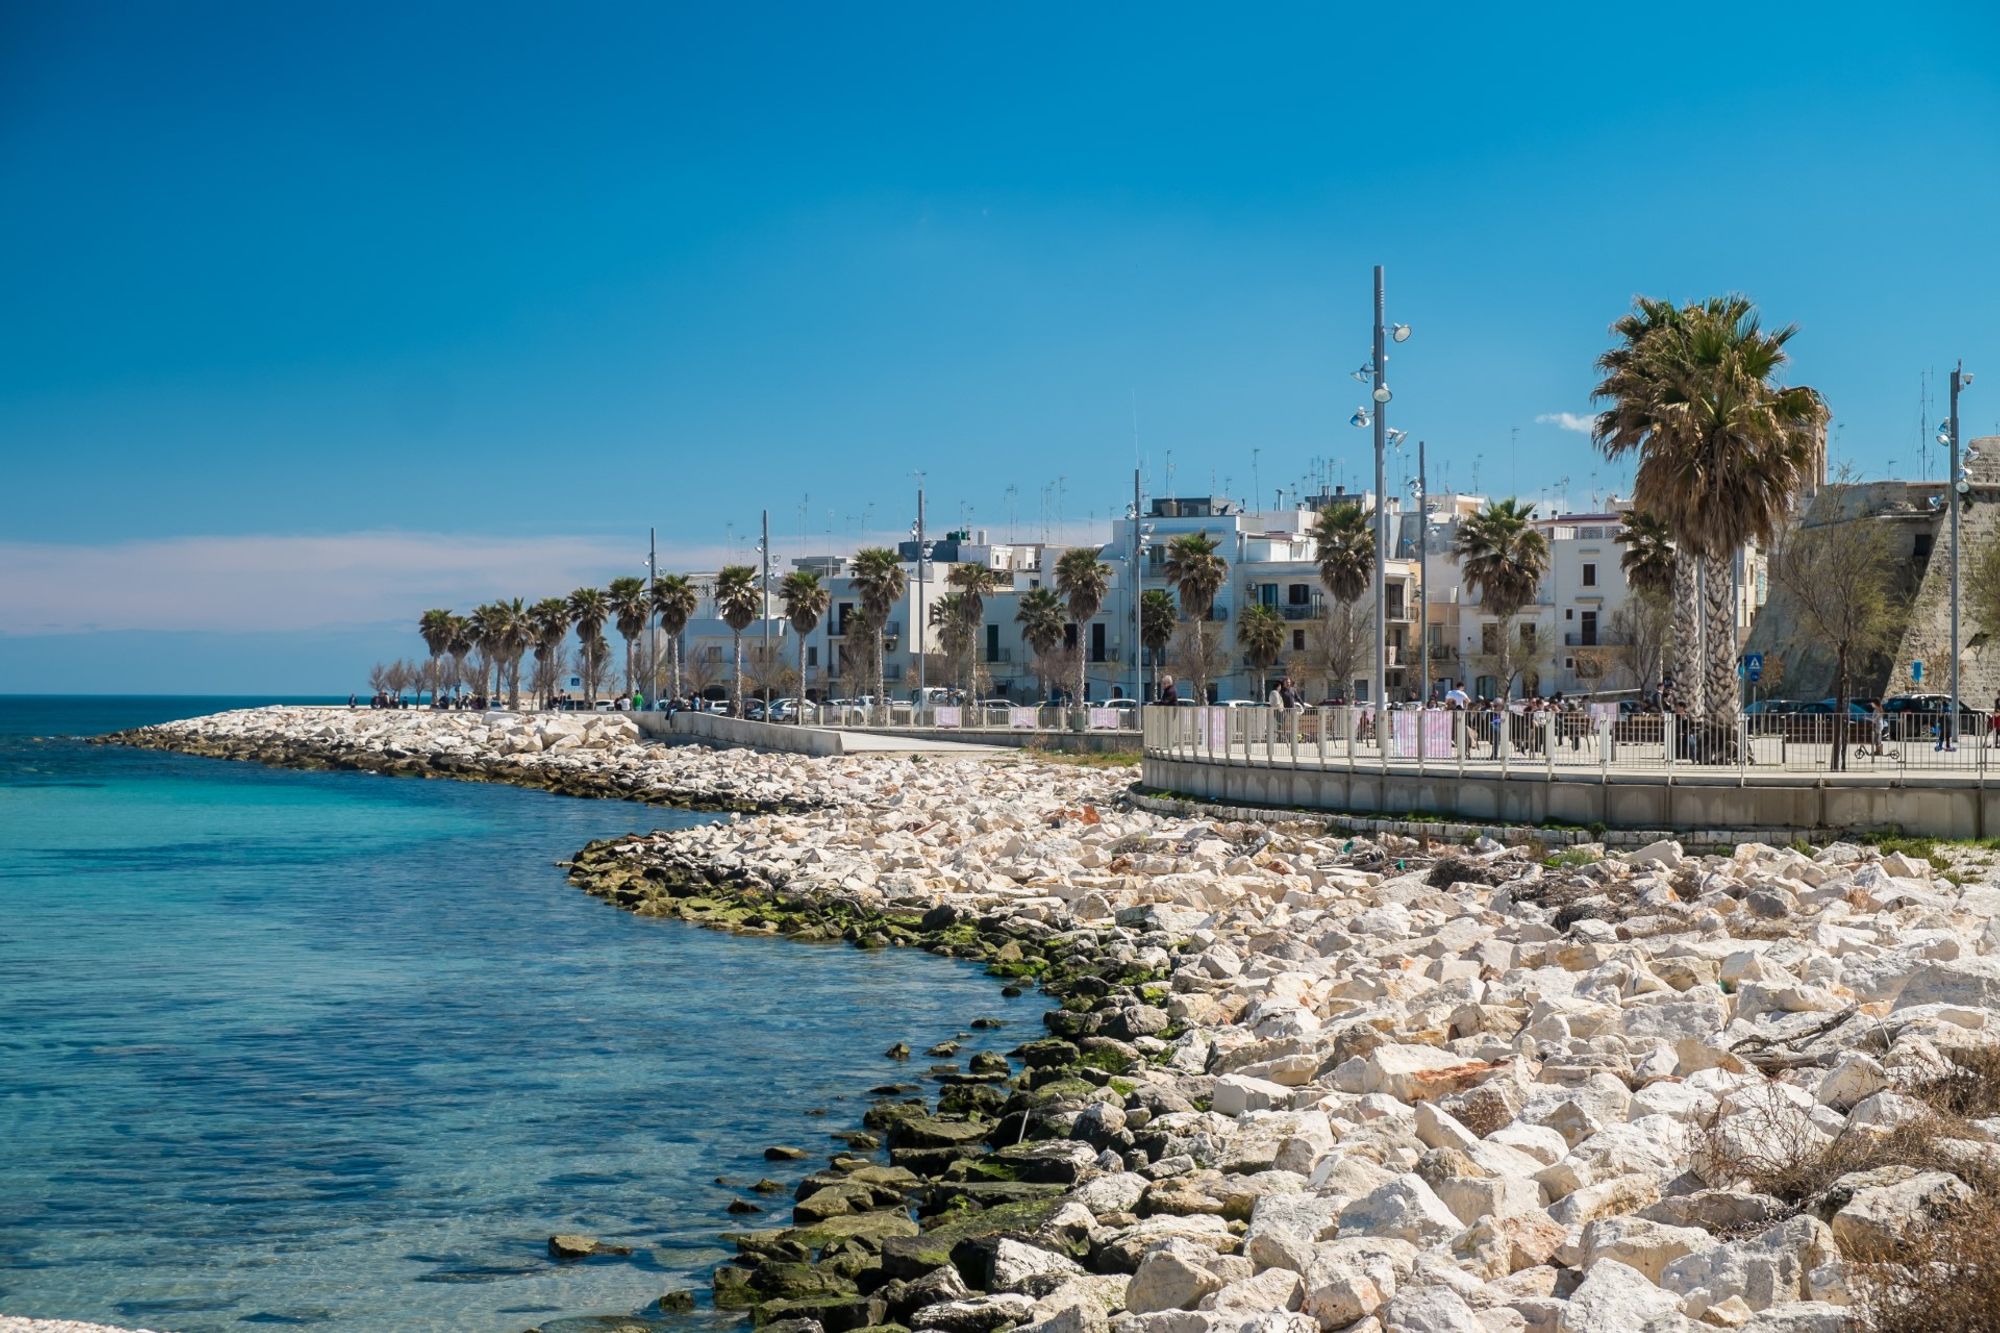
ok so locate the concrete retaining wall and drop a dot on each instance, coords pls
(1063, 742)
(1758, 804)
(715, 729)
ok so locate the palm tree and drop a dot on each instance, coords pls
(879, 582)
(488, 630)
(1344, 541)
(589, 608)
(674, 602)
(1503, 558)
(739, 601)
(631, 608)
(548, 625)
(1082, 579)
(1196, 569)
(806, 600)
(970, 583)
(460, 646)
(435, 626)
(1631, 385)
(1723, 449)
(1649, 561)
(1260, 631)
(955, 632)
(1156, 624)
(1040, 617)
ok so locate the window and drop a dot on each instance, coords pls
(840, 616)
(1590, 576)
(812, 654)
(1528, 635)
(1267, 594)
(1298, 640)
(1069, 635)
(1394, 596)
(1590, 534)
(993, 643)
(1489, 639)
(1299, 594)
(1587, 632)
(1097, 641)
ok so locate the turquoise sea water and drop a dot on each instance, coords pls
(340, 1051)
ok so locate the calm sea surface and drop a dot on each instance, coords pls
(341, 1051)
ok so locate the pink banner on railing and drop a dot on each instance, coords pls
(1103, 719)
(949, 715)
(1021, 719)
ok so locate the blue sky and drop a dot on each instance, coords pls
(353, 310)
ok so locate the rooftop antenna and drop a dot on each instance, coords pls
(1256, 486)
(1170, 472)
(1013, 496)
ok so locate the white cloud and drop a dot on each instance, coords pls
(289, 584)
(284, 584)
(1581, 424)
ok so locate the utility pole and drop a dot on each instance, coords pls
(1958, 484)
(764, 609)
(1138, 598)
(652, 593)
(1423, 573)
(923, 552)
(1381, 518)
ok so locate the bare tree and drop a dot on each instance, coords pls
(1341, 645)
(1194, 656)
(1058, 666)
(772, 673)
(1836, 578)
(703, 670)
(1646, 625)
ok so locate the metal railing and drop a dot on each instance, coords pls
(1531, 740)
(977, 717)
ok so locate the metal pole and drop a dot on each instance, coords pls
(1957, 373)
(652, 624)
(764, 610)
(1381, 517)
(922, 677)
(1138, 598)
(1423, 574)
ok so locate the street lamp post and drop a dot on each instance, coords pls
(1135, 586)
(923, 554)
(1959, 486)
(1378, 415)
(1423, 574)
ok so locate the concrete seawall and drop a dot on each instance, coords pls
(1942, 806)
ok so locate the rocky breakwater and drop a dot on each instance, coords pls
(577, 754)
(1299, 1082)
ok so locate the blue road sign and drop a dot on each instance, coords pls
(1753, 666)
(1916, 673)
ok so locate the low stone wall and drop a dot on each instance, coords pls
(1062, 742)
(1743, 807)
(715, 729)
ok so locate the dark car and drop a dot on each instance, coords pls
(1912, 716)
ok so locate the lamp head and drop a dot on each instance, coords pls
(1382, 394)
(1360, 417)
(1400, 332)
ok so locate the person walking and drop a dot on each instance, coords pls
(1168, 694)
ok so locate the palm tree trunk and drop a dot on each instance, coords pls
(739, 672)
(628, 666)
(1200, 660)
(1719, 646)
(1687, 660)
(800, 716)
(1082, 676)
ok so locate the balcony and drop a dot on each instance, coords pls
(892, 630)
(1444, 652)
(998, 655)
(1307, 611)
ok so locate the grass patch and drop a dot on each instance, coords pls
(1091, 758)
(1571, 858)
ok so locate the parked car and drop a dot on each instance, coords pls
(1915, 716)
